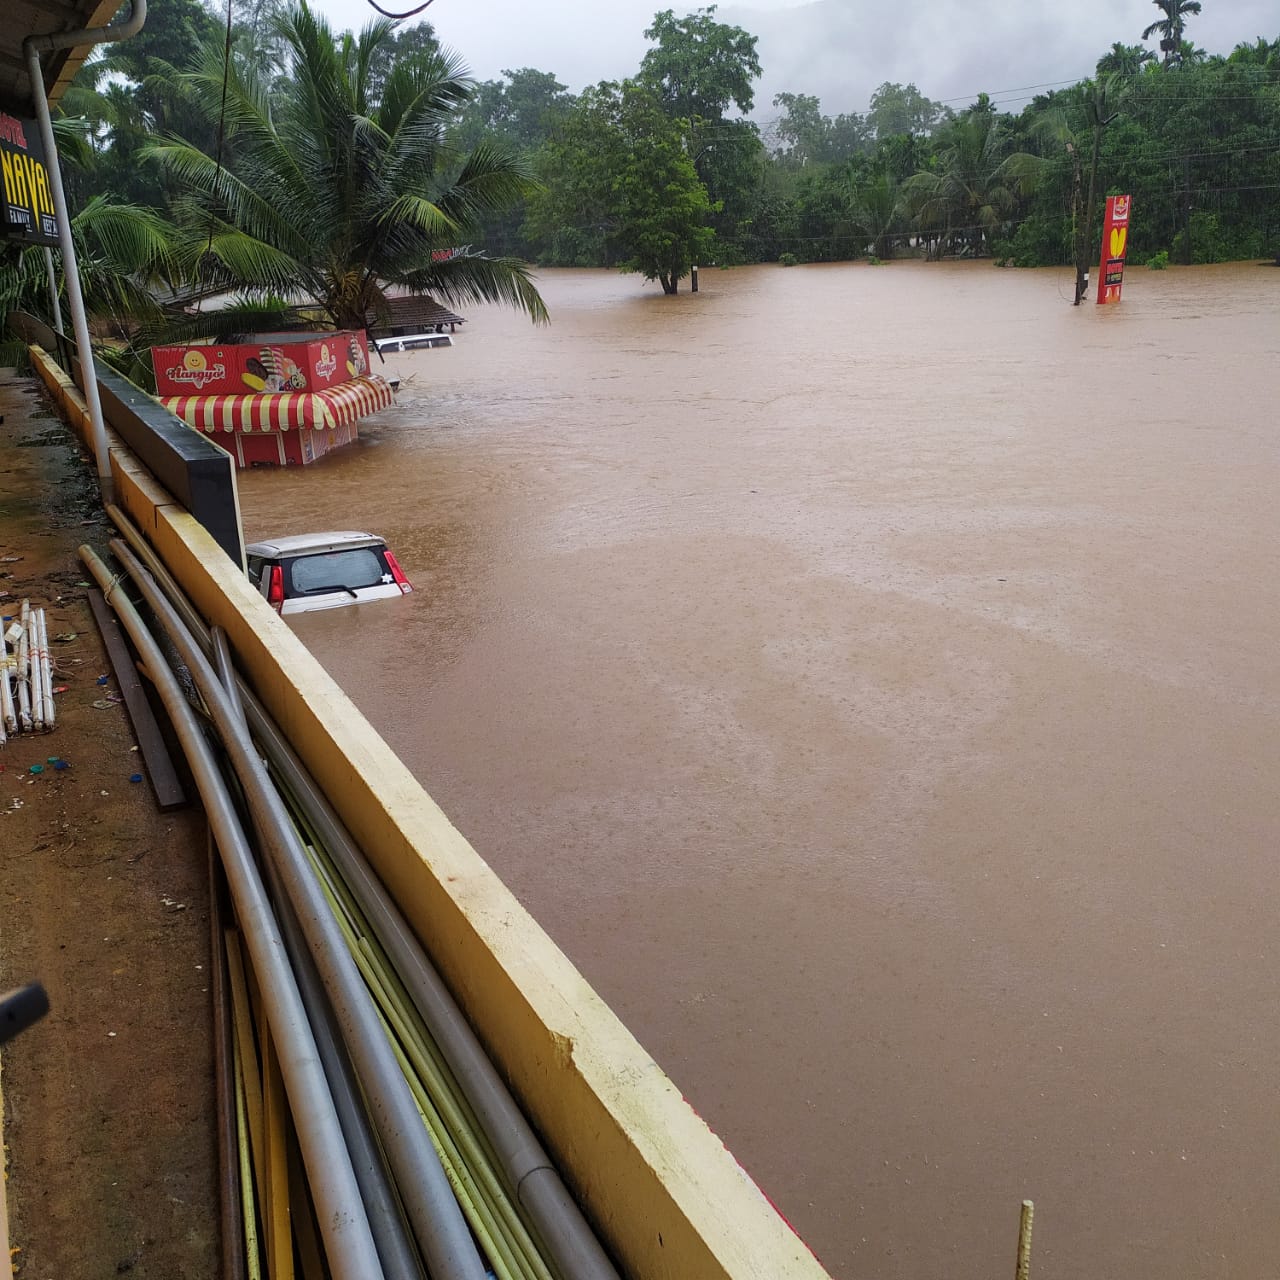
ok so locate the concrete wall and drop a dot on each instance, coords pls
(667, 1196)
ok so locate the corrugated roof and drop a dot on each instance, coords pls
(416, 314)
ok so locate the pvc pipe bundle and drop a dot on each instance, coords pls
(26, 675)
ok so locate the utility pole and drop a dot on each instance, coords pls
(1080, 249)
(1186, 211)
(1082, 278)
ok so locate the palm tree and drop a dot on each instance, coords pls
(330, 193)
(122, 249)
(973, 188)
(1124, 59)
(1170, 26)
(877, 209)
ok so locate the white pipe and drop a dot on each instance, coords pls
(46, 670)
(33, 670)
(54, 301)
(24, 693)
(7, 717)
(32, 47)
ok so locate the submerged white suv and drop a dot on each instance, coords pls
(324, 570)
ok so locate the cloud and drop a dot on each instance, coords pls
(836, 50)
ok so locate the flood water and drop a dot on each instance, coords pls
(868, 676)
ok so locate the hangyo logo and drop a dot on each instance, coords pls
(327, 363)
(196, 370)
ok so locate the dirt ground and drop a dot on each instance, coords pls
(108, 1102)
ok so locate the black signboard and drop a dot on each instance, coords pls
(26, 212)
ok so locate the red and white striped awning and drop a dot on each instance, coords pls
(285, 410)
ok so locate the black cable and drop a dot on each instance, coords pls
(217, 155)
(398, 17)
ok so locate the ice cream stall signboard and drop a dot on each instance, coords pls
(270, 363)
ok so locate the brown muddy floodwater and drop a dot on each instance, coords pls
(869, 677)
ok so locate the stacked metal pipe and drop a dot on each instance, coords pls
(417, 1159)
(26, 675)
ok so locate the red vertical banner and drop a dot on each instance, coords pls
(1115, 243)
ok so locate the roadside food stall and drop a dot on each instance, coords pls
(280, 399)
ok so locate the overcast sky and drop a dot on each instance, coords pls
(838, 50)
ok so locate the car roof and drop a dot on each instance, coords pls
(301, 544)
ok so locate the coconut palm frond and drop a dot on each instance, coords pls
(420, 214)
(249, 261)
(259, 214)
(134, 238)
(492, 179)
(473, 277)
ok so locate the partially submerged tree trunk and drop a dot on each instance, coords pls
(669, 280)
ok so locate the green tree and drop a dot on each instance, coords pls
(897, 108)
(877, 211)
(698, 69)
(1261, 53)
(332, 193)
(619, 177)
(1170, 26)
(404, 44)
(122, 251)
(802, 130)
(1124, 59)
(523, 110)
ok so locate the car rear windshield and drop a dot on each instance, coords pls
(338, 571)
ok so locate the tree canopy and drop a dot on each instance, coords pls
(340, 180)
(354, 162)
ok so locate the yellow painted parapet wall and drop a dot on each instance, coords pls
(668, 1198)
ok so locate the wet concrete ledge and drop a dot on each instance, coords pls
(667, 1196)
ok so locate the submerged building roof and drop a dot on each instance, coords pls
(416, 314)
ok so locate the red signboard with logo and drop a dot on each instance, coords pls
(271, 362)
(1115, 244)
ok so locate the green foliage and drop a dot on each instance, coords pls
(1210, 240)
(523, 111)
(1170, 25)
(787, 260)
(122, 251)
(897, 109)
(700, 67)
(1159, 261)
(339, 179)
(973, 187)
(621, 184)
(324, 190)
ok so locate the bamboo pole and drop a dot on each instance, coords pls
(1024, 1241)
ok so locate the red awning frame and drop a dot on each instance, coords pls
(285, 410)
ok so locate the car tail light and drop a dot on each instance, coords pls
(397, 573)
(275, 587)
